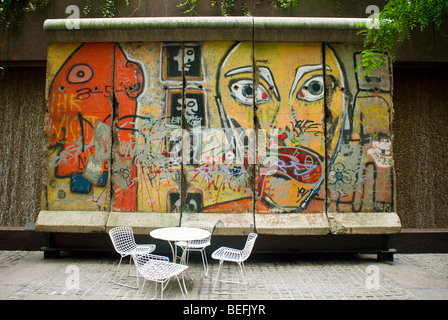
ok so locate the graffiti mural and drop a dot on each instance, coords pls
(79, 129)
(361, 179)
(217, 127)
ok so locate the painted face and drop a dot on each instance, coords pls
(80, 104)
(184, 58)
(78, 101)
(286, 90)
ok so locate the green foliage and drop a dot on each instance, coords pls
(87, 7)
(189, 4)
(10, 10)
(228, 6)
(396, 22)
(109, 9)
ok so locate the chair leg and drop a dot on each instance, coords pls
(119, 263)
(188, 256)
(180, 286)
(205, 262)
(243, 275)
(136, 275)
(116, 272)
(161, 291)
(243, 282)
(129, 267)
(129, 270)
(187, 259)
(218, 276)
(183, 280)
(143, 285)
(155, 289)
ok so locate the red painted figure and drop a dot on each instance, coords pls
(93, 82)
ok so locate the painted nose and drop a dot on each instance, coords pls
(284, 121)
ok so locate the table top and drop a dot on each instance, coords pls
(179, 234)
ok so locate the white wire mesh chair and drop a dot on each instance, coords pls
(198, 245)
(234, 255)
(159, 270)
(124, 243)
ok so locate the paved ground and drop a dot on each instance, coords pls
(28, 276)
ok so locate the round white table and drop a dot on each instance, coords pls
(174, 234)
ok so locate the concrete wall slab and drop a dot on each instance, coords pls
(72, 221)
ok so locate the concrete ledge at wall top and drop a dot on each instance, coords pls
(226, 223)
(204, 29)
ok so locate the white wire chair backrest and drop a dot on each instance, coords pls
(200, 225)
(250, 242)
(123, 239)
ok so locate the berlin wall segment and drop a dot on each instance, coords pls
(218, 127)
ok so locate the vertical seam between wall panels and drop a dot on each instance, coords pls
(255, 126)
(391, 108)
(111, 193)
(325, 128)
(183, 124)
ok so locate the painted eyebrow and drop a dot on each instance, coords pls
(265, 74)
(233, 72)
(300, 72)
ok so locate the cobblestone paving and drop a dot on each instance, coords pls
(314, 277)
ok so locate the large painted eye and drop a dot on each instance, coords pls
(243, 91)
(312, 89)
(79, 73)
